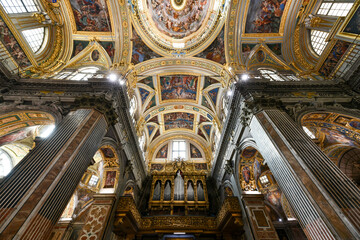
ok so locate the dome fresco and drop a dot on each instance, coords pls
(178, 18)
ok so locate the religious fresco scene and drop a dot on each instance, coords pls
(160, 119)
(334, 57)
(180, 18)
(92, 16)
(264, 16)
(215, 52)
(178, 87)
(140, 51)
(179, 120)
(11, 44)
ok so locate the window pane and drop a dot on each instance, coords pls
(338, 8)
(318, 40)
(35, 38)
(19, 6)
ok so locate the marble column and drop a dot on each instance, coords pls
(35, 193)
(98, 216)
(325, 201)
(260, 222)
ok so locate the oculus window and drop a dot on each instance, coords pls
(35, 38)
(179, 149)
(318, 40)
(19, 6)
(335, 8)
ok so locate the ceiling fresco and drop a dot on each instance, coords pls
(216, 51)
(179, 120)
(91, 15)
(12, 45)
(178, 87)
(334, 133)
(178, 18)
(179, 27)
(264, 16)
(171, 105)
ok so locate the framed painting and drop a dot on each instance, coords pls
(178, 87)
(351, 26)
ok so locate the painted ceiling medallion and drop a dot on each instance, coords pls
(178, 27)
(178, 18)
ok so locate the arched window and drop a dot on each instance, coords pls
(5, 163)
(19, 6)
(179, 149)
(318, 40)
(335, 8)
(35, 38)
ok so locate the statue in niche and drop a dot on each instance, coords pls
(179, 187)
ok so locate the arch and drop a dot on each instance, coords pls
(14, 121)
(317, 40)
(349, 163)
(36, 38)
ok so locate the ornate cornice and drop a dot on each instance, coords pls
(128, 219)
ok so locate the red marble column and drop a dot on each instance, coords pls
(35, 193)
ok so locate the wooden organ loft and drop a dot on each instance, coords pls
(180, 191)
(179, 202)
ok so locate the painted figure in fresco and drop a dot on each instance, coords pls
(216, 51)
(95, 55)
(246, 174)
(354, 24)
(178, 23)
(260, 56)
(91, 15)
(162, 152)
(178, 87)
(334, 57)
(143, 94)
(140, 51)
(264, 16)
(179, 120)
(335, 137)
(257, 169)
(110, 179)
(11, 44)
(195, 153)
(79, 47)
(274, 198)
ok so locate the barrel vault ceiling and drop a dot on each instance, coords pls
(179, 57)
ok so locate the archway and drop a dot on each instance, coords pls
(338, 136)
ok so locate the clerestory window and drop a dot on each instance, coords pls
(19, 6)
(35, 38)
(179, 149)
(318, 40)
(335, 8)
